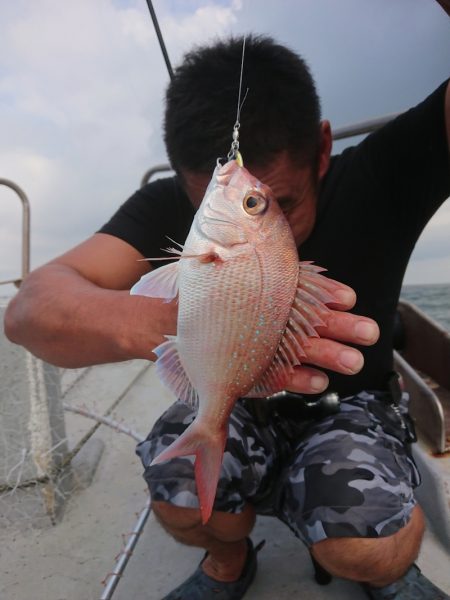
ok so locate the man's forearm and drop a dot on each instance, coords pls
(70, 322)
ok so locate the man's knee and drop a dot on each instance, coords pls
(380, 560)
(176, 517)
(185, 524)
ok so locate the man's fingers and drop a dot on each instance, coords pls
(307, 380)
(329, 351)
(332, 355)
(347, 327)
(345, 296)
(327, 354)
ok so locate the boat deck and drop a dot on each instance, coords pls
(70, 560)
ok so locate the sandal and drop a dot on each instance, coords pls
(200, 586)
(412, 586)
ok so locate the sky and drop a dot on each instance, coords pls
(82, 88)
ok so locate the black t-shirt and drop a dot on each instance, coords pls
(374, 202)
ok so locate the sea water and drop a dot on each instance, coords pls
(434, 300)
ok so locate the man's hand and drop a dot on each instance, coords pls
(329, 351)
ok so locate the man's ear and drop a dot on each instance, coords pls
(326, 143)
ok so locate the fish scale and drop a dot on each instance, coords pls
(246, 310)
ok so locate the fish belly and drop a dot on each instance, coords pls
(230, 321)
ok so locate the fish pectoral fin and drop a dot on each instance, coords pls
(307, 312)
(160, 283)
(172, 373)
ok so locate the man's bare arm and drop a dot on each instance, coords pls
(77, 311)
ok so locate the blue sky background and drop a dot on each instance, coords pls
(82, 86)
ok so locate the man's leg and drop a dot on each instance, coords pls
(377, 561)
(247, 470)
(223, 536)
(349, 494)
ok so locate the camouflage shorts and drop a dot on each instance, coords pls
(346, 475)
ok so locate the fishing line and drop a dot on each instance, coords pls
(234, 153)
(239, 105)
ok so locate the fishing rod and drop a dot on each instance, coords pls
(160, 38)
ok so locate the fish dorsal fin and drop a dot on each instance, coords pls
(307, 312)
(172, 373)
(160, 283)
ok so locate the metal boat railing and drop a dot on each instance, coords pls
(147, 176)
(423, 362)
(362, 127)
(25, 231)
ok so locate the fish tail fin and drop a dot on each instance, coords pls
(185, 445)
(208, 450)
(207, 472)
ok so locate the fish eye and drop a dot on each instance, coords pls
(254, 205)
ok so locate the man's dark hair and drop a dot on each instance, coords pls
(281, 111)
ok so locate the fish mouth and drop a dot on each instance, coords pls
(224, 173)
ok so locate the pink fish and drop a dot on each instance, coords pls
(246, 310)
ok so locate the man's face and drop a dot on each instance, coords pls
(295, 189)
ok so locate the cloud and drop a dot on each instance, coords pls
(204, 23)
